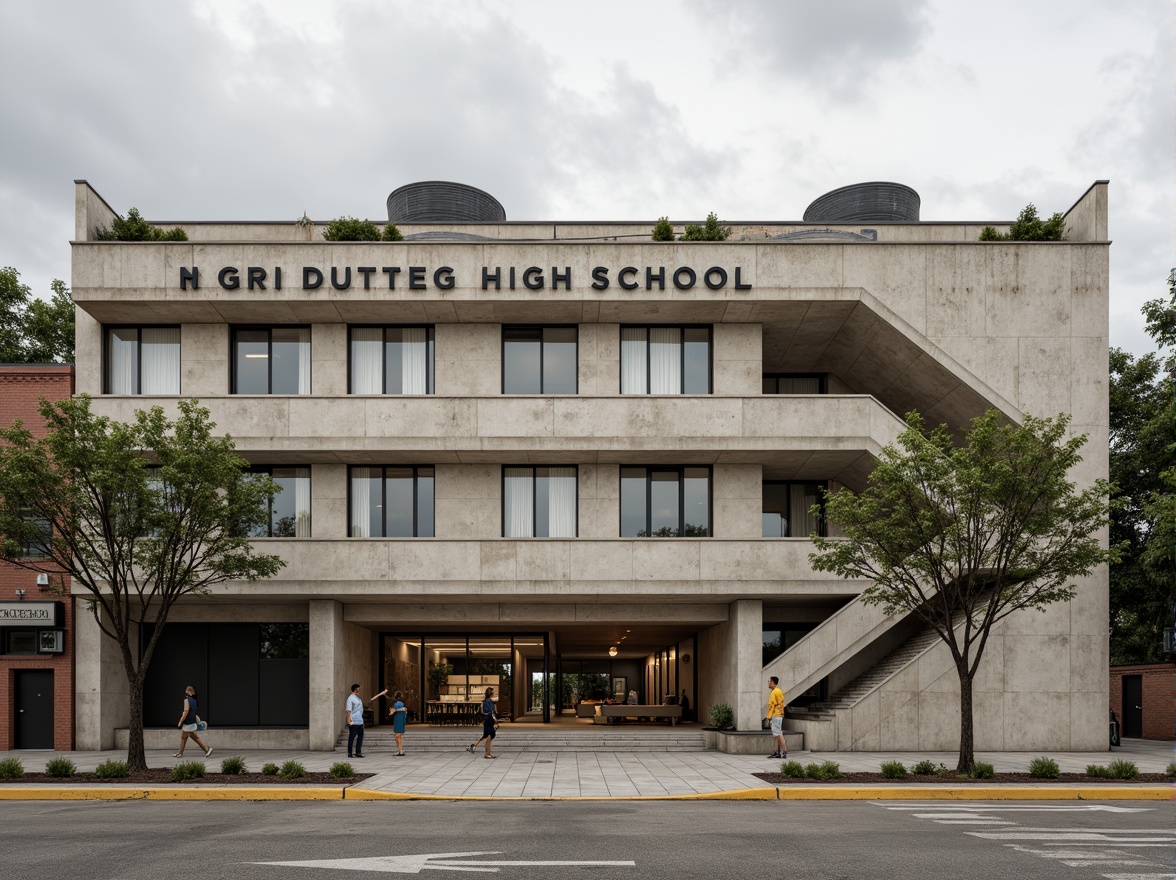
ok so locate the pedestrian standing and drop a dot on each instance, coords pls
(190, 723)
(353, 718)
(399, 713)
(776, 717)
(489, 724)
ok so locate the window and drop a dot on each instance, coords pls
(665, 502)
(289, 513)
(794, 383)
(539, 502)
(271, 360)
(19, 641)
(787, 509)
(391, 502)
(665, 360)
(392, 360)
(142, 360)
(36, 546)
(539, 360)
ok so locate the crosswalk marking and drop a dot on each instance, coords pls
(1072, 836)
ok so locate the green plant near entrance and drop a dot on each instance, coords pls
(60, 767)
(1044, 768)
(11, 768)
(721, 716)
(894, 770)
(439, 674)
(233, 765)
(112, 769)
(292, 770)
(824, 770)
(186, 770)
(342, 770)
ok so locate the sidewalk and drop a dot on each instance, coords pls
(584, 774)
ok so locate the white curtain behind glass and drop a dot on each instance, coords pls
(665, 360)
(561, 503)
(160, 367)
(518, 515)
(414, 361)
(802, 522)
(367, 360)
(302, 502)
(360, 501)
(304, 360)
(633, 375)
(123, 354)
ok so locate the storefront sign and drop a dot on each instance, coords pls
(492, 278)
(30, 614)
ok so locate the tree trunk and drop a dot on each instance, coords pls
(136, 755)
(967, 748)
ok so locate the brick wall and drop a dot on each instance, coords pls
(21, 388)
(1159, 697)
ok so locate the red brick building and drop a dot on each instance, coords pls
(1144, 698)
(36, 627)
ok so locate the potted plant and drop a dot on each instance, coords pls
(439, 674)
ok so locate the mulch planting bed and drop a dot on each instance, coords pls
(162, 776)
(952, 779)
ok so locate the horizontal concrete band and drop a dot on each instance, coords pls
(829, 792)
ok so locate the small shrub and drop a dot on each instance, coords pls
(894, 770)
(1029, 227)
(233, 766)
(60, 767)
(11, 768)
(392, 233)
(1096, 771)
(342, 770)
(1044, 768)
(928, 768)
(827, 770)
(1171, 771)
(710, 231)
(792, 769)
(269, 770)
(187, 770)
(980, 770)
(135, 228)
(292, 770)
(351, 229)
(721, 716)
(112, 769)
(1122, 769)
(663, 230)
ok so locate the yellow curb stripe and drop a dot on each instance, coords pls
(746, 794)
(978, 793)
(283, 793)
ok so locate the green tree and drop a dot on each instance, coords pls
(392, 233)
(1029, 227)
(33, 331)
(963, 536)
(351, 229)
(134, 228)
(663, 230)
(134, 539)
(710, 231)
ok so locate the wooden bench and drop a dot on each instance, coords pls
(624, 710)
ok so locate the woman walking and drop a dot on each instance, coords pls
(189, 723)
(489, 724)
(399, 713)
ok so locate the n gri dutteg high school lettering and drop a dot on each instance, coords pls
(567, 461)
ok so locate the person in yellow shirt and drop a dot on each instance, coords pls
(776, 717)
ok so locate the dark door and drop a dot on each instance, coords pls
(1133, 706)
(34, 708)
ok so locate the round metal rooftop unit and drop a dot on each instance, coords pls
(440, 201)
(875, 202)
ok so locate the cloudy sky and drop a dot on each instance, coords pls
(247, 109)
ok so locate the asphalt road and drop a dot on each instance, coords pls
(547, 840)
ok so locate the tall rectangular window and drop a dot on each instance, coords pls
(539, 502)
(391, 502)
(787, 509)
(289, 514)
(271, 360)
(794, 383)
(142, 360)
(392, 360)
(665, 502)
(665, 360)
(35, 544)
(539, 360)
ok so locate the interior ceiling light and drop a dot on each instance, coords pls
(612, 652)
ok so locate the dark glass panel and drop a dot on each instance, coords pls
(559, 360)
(634, 514)
(521, 356)
(696, 502)
(399, 500)
(424, 502)
(664, 499)
(288, 351)
(542, 503)
(251, 362)
(696, 360)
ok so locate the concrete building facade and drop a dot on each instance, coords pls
(566, 460)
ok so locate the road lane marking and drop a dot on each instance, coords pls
(460, 861)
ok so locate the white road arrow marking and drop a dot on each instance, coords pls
(459, 861)
(1044, 808)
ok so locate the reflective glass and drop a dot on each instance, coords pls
(559, 360)
(398, 515)
(696, 360)
(521, 359)
(633, 502)
(696, 502)
(664, 501)
(251, 362)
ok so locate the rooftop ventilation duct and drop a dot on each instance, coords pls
(441, 201)
(875, 202)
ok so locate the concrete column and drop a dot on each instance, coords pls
(731, 665)
(102, 701)
(328, 691)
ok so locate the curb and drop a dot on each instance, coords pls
(785, 793)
